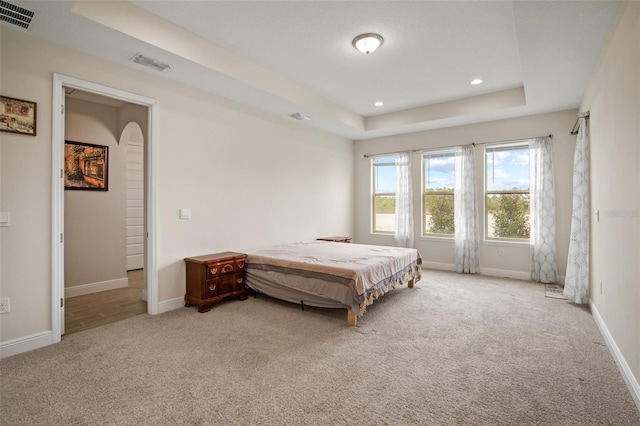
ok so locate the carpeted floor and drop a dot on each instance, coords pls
(456, 349)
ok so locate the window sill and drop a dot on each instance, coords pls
(439, 239)
(378, 235)
(506, 243)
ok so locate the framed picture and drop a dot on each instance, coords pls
(17, 116)
(86, 166)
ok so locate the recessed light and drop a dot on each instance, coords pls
(379, 103)
(476, 81)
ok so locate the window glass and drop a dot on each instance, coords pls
(507, 191)
(384, 194)
(438, 193)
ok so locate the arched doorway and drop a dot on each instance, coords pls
(133, 139)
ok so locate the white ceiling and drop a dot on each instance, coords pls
(296, 56)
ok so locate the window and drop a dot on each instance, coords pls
(384, 194)
(438, 184)
(94, 167)
(507, 191)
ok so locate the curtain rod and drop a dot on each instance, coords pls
(512, 140)
(584, 114)
(453, 146)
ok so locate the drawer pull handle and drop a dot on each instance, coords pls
(239, 280)
(212, 287)
(213, 270)
(227, 268)
(240, 265)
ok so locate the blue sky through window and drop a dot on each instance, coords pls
(439, 171)
(508, 169)
(385, 178)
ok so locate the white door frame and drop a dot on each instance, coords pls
(57, 195)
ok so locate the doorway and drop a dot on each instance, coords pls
(60, 83)
(105, 307)
(104, 214)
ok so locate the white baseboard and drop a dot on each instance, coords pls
(438, 266)
(506, 273)
(625, 370)
(25, 344)
(79, 290)
(45, 338)
(170, 305)
(502, 273)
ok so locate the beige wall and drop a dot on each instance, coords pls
(439, 253)
(95, 221)
(250, 179)
(613, 98)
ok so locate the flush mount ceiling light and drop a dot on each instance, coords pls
(476, 81)
(379, 103)
(368, 42)
(150, 62)
(300, 116)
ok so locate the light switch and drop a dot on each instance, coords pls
(5, 219)
(185, 213)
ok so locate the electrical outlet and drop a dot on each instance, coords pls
(501, 252)
(5, 308)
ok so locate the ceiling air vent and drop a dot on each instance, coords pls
(149, 62)
(300, 116)
(16, 15)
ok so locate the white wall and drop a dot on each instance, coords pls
(613, 97)
(250, 179)
(95, 221)
(439, 253)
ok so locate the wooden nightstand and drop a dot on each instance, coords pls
(212, 277)
(335, 239)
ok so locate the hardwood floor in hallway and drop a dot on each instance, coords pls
(96, 309)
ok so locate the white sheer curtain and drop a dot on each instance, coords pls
(576, 286)
(467, 235)
(542, 219)
(404, 201)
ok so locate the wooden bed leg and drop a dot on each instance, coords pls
(352, 319)
(410, 284)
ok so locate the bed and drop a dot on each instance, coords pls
(331, 274)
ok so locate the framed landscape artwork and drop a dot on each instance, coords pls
(86, 166)
(17, 116)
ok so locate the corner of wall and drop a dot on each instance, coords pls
(623, 366)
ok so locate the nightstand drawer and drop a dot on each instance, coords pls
(211, 288)
(222, 268)
(229, 283)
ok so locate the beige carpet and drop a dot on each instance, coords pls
(454, 350)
